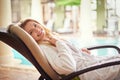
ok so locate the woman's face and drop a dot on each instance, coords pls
(35, 30)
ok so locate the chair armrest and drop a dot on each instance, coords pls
(91, 68)
(105, 46)
(95, 66)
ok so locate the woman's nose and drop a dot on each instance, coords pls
(36, 29)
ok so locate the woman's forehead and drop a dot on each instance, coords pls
(28, 25)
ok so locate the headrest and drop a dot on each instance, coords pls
(33, 47)
(28, 41)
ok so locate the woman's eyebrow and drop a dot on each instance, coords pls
(30, 31)
(31, 28)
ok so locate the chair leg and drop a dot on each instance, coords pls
(41, 78)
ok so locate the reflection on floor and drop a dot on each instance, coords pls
(17, 73)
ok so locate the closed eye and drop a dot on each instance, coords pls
(35, 25)
(30, 32)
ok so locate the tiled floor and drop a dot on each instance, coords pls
(17, 73)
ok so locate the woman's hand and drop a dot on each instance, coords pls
(52, 40)
(85, 50)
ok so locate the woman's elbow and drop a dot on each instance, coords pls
(72, 69)
(69, 69)
(66, 71)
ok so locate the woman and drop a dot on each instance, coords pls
(64, 57)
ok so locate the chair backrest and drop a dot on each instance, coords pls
(35, 50)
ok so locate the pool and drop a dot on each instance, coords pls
(107, 41)
(101, 41)
(98, 52)
(24, 61)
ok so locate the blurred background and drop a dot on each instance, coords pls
(65, 16)
(83, 22)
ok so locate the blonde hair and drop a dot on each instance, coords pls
(48, 32)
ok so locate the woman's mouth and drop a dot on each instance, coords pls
(41, 33)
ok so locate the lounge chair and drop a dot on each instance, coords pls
(21, 41)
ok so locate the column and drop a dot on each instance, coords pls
(101, 22)
(36, 11)
(5, 13)
(6, 55)
(86, 37)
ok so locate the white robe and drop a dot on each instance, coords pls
(65, 58)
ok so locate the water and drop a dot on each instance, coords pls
(24, 61)
(107, 51)
(97, 52)
(102, 41)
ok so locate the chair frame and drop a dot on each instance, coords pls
(16, 43)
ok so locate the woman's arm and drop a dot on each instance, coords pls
(68, 63)
(64, 63)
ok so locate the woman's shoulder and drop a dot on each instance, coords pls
(46, 46)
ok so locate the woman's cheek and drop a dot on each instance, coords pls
(35, 37)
